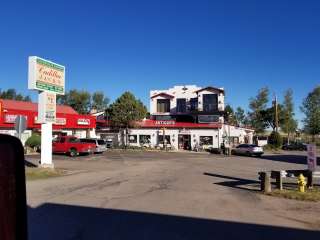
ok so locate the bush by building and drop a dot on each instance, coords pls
(275, 140)
(34, 141)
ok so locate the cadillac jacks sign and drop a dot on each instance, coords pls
(46, 76)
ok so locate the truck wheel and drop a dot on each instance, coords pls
(73, 152)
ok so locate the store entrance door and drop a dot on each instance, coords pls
(184, 141)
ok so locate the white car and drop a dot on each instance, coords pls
(248, 150)
(101, 145)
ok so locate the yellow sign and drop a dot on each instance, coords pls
(47, 107)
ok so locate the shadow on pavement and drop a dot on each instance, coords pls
(54, 221)
(240, 183)
(28, 163)
(297, 159)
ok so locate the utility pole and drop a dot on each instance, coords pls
(276, 112)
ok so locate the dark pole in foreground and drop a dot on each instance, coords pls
(13, 208)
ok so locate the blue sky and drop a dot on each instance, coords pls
(140, 45)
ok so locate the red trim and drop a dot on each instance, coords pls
(171, 124)
(162, 94)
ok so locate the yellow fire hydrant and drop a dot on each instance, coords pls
(301, 182)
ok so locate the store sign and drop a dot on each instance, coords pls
(11, 118)
(312, 157)
(83, 121)
(47, 107)
(184, 131)
(165, 122)
(46, 76)
(61, 121)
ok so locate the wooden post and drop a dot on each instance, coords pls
(279, 180)
(265, 184)
(309, 179)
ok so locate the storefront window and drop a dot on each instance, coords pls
(193, 104)
(181, 105)
(163, 105)
(234, 140)
(210, 102)
(208, 118)
(143, 139)
(206, 140)
(132, 138)
(160, 139)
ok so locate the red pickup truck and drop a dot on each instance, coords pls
(71, 146)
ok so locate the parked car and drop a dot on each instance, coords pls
(71, 146)
(248, 150)
(109, 143)
(100, 144)
(295, 146)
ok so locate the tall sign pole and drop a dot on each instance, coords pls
(48, 78)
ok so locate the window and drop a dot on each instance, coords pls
(234, 140)
(193, 104)
(206, 140)
(143, 139)
(210, 102)
(163, 118)
(181, 105)
(85, 140)
(132, 138)
(73, 140)
(101, 142)
(160, 139)
(163, 105)
(208, 118)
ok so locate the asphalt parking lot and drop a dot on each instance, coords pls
(158, 195)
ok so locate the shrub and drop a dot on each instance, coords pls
(275, 140)
(34, 141)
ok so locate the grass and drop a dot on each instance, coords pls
(43, 173)
(310, 194)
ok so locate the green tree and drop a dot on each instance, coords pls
(275, 140)
(12, 94)
(125, 111)
(99, 101)
(229, 115)
(240, 116)
(268, 116)
(288, 123)
(311, 109)
(257, 105)
(78, 100)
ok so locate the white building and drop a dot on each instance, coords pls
(188, 116)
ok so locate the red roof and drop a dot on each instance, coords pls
(163, 94)
(33, 107)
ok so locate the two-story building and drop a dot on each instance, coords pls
(187, 117)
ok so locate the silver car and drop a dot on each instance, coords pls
(101, 145)
(248, 150)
